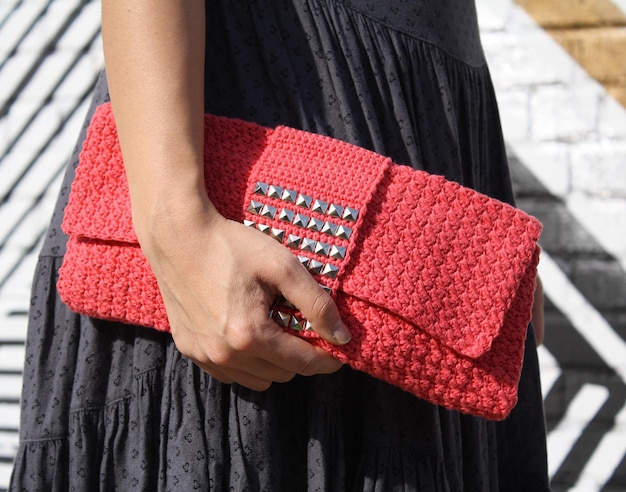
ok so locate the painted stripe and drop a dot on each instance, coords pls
(584, 318)
(5, 475)
(9, 442)
(550, 369)
(606, 458)
(580, 412)
(9, 416)
(12, 358)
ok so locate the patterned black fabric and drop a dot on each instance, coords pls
(113, 407)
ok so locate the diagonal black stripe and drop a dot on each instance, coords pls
(568, 345)
(87, 94)
(578, 362)
(80, 98)
(49, 48)
(618, 480)
(603, 422)
(594, 272)
(11, 14)
(15, 48)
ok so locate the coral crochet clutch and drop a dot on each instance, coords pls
(434, 280)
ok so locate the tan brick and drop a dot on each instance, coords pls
(561, 14)
(618, 92)
(601, 52)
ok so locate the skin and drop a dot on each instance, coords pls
(218, 278)
(538, 313)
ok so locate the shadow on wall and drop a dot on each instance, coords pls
(586, 396)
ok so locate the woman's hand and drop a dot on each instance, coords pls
(218, 279)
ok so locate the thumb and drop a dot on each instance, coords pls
(316, 306)
(325, 319)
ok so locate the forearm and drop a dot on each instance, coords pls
(154, 57)
(217, 278)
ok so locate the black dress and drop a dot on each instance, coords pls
(113, 407)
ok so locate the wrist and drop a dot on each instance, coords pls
(163, 214)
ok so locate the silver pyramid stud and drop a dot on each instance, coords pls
(329, 228)
(286, 215)
(264, 228)
(300, 220)
(319, 206)
(255, 207)
(304, 201)
(296, 324)
(330, 270)
(289, 196)
(283, 318)
(327, 289)
(350, 214)
(337, 252)
(304, 261)
(277, 234)
(343, 232)
(308, 245)
(322, 249)
(268, 211)
(335, 210)
(293, 241)
(315, 267)
(308, 326)
(249, 223)
(260, 188)
(315, 225)
(275, 191)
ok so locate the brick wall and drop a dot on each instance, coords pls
(593, 32)
(567, 140)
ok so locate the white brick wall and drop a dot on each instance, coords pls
(50, 54)
(571, 135)
(561, 123)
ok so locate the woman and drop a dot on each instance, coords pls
(229, 401)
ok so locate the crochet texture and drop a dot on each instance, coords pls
(434, 280)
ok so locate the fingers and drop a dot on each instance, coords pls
(262, 348)
(231, 366)
(257, 373)
(251, 380)
(256, 353)
(295, 354)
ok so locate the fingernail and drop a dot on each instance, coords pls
(341, 333)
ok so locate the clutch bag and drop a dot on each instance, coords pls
(434, 280)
